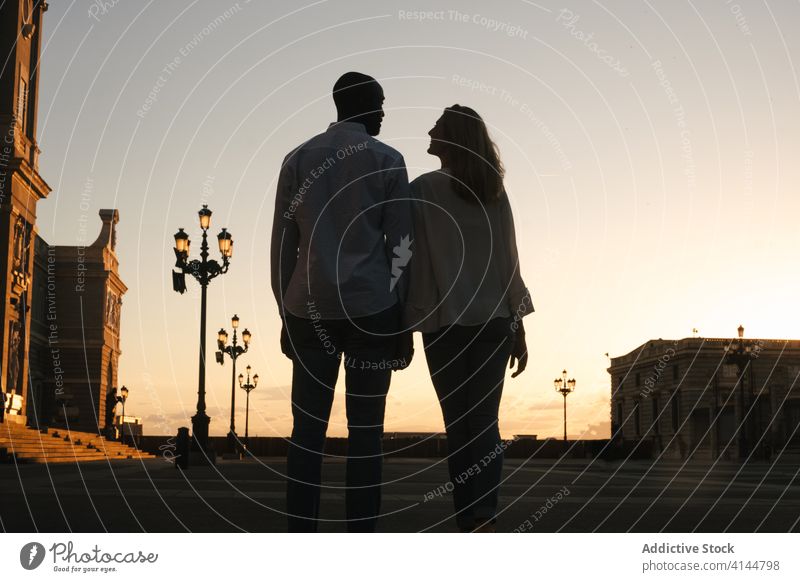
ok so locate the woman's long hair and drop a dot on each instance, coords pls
(474, 161)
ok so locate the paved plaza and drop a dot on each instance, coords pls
(539, 496)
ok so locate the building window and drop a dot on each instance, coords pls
(620, 411)
(619, 382)
(730, 370)
(676, 410)
(22, 104)
(675, 372)
(654, 409)
(637, 424)
(638, 379)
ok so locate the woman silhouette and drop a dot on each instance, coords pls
(467, 298)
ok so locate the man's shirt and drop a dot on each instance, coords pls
(341, 233)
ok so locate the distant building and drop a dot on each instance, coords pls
(414, 435)
(129, 429)
(75, 332)
(693, 398)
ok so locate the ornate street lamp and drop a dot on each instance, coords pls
(741, 353)
(564, 387)
(203, 270)
(234, 351)
(247, 387)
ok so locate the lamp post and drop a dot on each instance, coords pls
(740, 353)
(247, 387)
(123, 396)
(234, 351)
(203, 270)
(564, 387)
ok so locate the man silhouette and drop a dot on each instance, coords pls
(341, 210)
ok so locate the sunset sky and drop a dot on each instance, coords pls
(651, 151)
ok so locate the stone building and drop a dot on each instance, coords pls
(713, 398)
(75, 331)
(59, 305)
(21, 187)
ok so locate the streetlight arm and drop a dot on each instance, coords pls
(213, 269)
(204, 272)
(193, 267)
(234, 351)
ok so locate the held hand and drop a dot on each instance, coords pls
(286, 344)
(405, 350)
(519, 352)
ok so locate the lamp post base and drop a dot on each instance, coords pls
(233, 447)
(202, 454)
(233, 443)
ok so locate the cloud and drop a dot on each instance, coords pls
(552, 405)
(161, 423)
(271, 393)
(598, 430)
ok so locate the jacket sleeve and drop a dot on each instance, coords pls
(423, 292)
(285, 234)
(397, 226)
(520, 302)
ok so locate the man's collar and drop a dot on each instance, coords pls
(348, 125)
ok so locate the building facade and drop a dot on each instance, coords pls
(708, 398)
(75, 332)
(59, 305)
(21, 188)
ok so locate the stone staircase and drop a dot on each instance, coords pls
(23, 444)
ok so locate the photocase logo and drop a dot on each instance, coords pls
(402, 254)
(31, 555)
